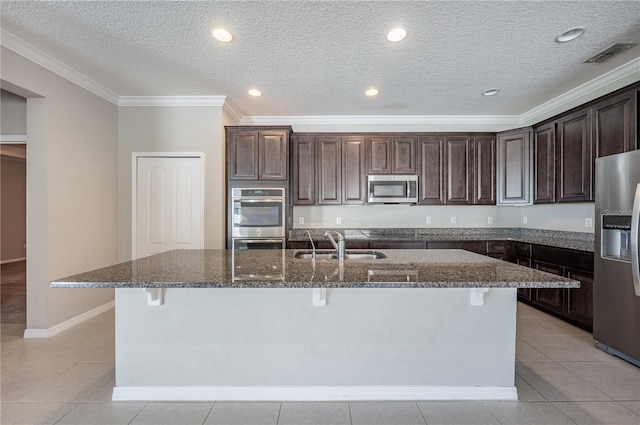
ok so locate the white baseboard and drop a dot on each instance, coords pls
(13, 260)
(67, 324)
(313, 393)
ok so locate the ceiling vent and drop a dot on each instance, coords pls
(610, 51)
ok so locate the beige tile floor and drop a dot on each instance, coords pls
(561, 379)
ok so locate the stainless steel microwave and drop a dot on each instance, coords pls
(393, 189)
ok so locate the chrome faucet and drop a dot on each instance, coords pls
(313, 246)
(339, 246)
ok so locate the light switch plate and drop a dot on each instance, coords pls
(453, 219)
(338, 220)
(525, 220)
(428, 220)
(490, 220)
(300, 220)
(588, 222)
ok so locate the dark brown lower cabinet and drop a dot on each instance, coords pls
(580, 300)
(573, 305)
(397, 245)
(551, 298)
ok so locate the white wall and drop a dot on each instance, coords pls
(172, 129)
(71, 189)
(13, 114)
(398, 216)
(567, 217)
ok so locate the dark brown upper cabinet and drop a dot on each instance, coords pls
(544, 164)
(329, 170)
(303, 166)
(354, 183)
(432, 170)
(484, 164)
(574, 162)
(391, 155)
(513, 167)
(458, 171)
(258, 153)
(615, 125)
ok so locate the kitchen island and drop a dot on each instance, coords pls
(265, 325)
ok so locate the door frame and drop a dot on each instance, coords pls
(134, 186)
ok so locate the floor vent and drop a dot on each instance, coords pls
(610, 51)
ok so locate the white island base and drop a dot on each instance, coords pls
(274, 344)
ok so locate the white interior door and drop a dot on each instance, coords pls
(168, 204)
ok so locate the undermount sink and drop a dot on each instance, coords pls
(348, 255)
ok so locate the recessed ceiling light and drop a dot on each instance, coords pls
(221, 34)
(569, 35)
(396, 34)
(372, 92)
(255, 92)
(490, 92)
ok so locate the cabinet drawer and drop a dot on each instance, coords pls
(397, 245)
(497, 247)
(473, 246)
(579, 260)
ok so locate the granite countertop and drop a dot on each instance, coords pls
(280, 269)
(561, 239)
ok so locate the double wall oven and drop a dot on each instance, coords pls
(258, 218)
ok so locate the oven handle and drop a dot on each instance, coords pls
(259, 240)
(259, 200)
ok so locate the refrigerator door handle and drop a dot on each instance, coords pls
(635, 227)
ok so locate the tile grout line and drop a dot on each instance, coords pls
(421, 413)
(209, 412)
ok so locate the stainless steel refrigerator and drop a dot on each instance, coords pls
(616, 293)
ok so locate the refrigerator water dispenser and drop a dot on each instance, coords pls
(616, 237)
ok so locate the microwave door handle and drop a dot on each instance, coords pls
(635, 228)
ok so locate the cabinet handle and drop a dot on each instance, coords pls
(635, 227)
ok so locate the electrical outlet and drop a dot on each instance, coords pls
(525, 220)
(300, 220)
(490, 220)
(588, 222)
(428, 220)
(338, 220)
(453, 219)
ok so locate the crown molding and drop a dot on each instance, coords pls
(497, 120)
(233, 111)
(171, 100)
(41, 58)
(623, 75)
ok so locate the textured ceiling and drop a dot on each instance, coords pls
(318, 57)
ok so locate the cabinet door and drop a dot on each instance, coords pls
(354, 184)
(329, 170)
(551, 298)
(484, 165)
(514, 181)
(404, 155)
(273, 155)
(459, 186)
(615, 125)
(580, 300)
(574, 157)
(243, 158)
(379, 155)
(544, 164)
(303, 185)
(432, 170)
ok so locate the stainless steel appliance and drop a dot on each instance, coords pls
(393, 189)
(616, 296)
(258, 218)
